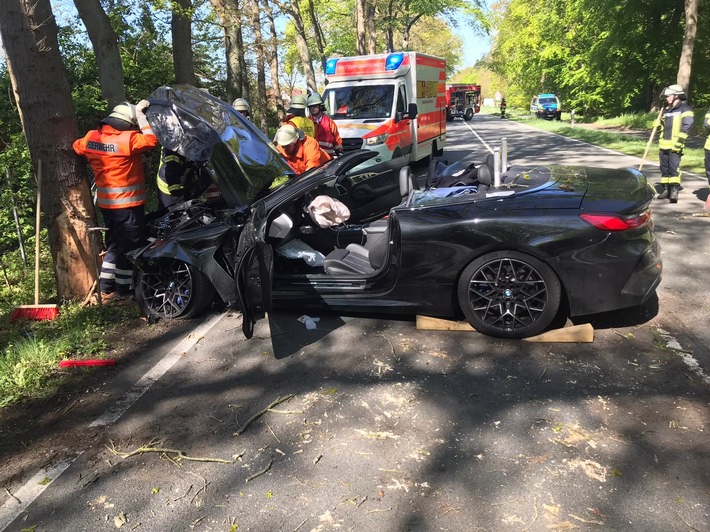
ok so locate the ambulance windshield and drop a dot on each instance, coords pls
(359, 103)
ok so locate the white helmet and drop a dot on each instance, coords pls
(240, 104)
(674, 90)
(288, 134)
(125, 111)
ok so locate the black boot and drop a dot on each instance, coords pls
(673, 196)
(666, 192)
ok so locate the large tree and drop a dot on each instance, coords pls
(103, 39)
(181, 30)
(29, 35)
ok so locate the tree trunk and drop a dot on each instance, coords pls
(371, 29)
(260, 98)
(390, 27)
(320, 41)
(686, 55)
(360, 26)
(273, 54)
(181, 26)
(105, 45)
(294, 11)
(407, 30)
(29, 35)
(228, 13)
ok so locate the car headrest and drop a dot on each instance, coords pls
(406, 181)
(485, 175)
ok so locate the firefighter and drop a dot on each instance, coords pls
(241, 105)
(179, 179)
(326, 131)
(675, 123)
(503, 105)
(301, 151)
(296, 115)
(114, 152)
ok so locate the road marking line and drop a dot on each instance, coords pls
(478, 137)
(33, 488)
(26, 495)
(157, 371)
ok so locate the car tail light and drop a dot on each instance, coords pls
(616, 222)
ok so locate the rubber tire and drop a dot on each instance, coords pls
(203, 294)
(468, 115)
(552, 305)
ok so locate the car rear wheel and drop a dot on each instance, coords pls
(509, 294)
(173, 289)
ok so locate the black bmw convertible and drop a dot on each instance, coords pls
(547, 240)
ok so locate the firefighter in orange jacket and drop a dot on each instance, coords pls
(114, 153)
(326, 130)
(301, 151)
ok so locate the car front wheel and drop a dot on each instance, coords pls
(173, 289)
(509, 294)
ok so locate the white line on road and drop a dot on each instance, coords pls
(19, 501)
(157, 371)
(478, 137)
(33, 488)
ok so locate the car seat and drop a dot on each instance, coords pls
(356, 259)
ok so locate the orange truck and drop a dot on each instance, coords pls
(462, 101)
(393, 104)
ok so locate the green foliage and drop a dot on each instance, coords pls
(602, 57)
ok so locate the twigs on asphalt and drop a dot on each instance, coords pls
(152, 447)
(256, 416)
(259, 473)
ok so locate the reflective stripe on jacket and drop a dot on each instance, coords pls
(115, 159)
(308, 155)
(675, 126)
(303, 123)
(706, 123)
(174, 173)
(327, 134)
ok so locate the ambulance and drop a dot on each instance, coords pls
(393, 104)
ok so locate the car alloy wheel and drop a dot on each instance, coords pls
(172, 289)
(509, 294)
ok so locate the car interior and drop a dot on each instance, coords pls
(356, 249)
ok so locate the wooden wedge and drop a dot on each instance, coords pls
(583, 333)
(428, 323)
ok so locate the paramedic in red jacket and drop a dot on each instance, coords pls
(114, 153)
(326, 130)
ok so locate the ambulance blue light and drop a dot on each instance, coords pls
(393, 61)
(330, 66)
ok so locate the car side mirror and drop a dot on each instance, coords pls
(411, 113)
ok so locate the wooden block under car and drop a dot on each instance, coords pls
(575, 334)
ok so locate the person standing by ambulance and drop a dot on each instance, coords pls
(296, 115)
(114, 151)
(675, 122)
(326, 130)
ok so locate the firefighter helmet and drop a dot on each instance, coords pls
(125, 111)
(674, 90)
(298, 102)
(240, 104)
(315, 99)
(288, 134)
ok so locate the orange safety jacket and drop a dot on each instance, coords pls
(115, 159)
(327, 134)
(307, 155)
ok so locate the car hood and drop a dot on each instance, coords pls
(205, 129)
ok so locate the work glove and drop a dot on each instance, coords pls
(140, 114)
(656, 123)
(678, 146)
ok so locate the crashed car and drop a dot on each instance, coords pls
(547, 241)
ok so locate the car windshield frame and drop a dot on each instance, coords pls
(360, 102)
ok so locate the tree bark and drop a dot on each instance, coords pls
(273, 55)
(360, 26)
(686, 55)
(260, 98)
(371, 29)
(181, 28)
(294, 11)
(320, 41)
(29, 35)
(105, 45)
(228, 13)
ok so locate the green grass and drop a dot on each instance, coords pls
(30, 351)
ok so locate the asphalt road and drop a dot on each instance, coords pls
(393, 429)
